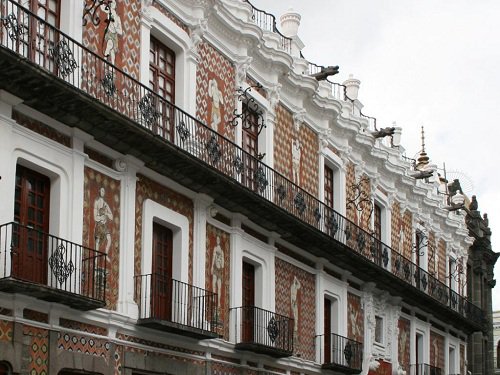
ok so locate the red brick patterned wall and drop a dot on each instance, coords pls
(351, 213)
(408, 234)
(355, 318)
(431, 254)
(41, 128)
(436, 345)
(149, 189)
(367, 209)
(442, 260)
(129, 44)
(6, 330)
(93, 182)
(214, 67)
(172, 17)
(284, 134)
(37, 340)
(404, 343)
(396, 226)
(462, 359)
(385, 368)
(212, 234)
(286, 274)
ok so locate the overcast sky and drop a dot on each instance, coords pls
(426, 62)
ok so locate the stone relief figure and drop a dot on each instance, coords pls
(436, 351)
(113, 30)
(353, 315)
(296, 156)
(217, 270)
(402, 344)
(102, 216)
(217, 99)
(294, 290)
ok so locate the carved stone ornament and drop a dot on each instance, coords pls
(197, 33)
(241, 68)
(298, 119)
(120, 165)
(274, 96)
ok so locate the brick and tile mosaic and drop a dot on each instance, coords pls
(36, 316)
(6, 330)
(442, 260)
(404, 343)
(436, 346)
(101, 226)
(41, 128)
(118, 359)
(215, 90)
(294, 255)
(36, 353)
(275, 369)
(84, 327)
(84, 344)
(407, 221)
(149, 189)
(432, 255)
(108, 40)
(351, 213)
(355, 319)
(366, 209)
(385, 368)
(98, 157)
(285, 134)
(295, 291)
(217, 270)
(396, 226)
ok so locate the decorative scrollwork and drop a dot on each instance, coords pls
(348, 353)
(281, 192)
(299, 202)
(421, 243)
(317, 214)
(238, 164)
(361, 241)
(148, 110)
(260, 179)
(91, 9)
(63, 57)
(273, 329)
(60, 268)
(360, 198)
(14, 29)
(385, 256)
(332, 225)
(251, 115)
(213, 149)
(108, 84)
(183, 131)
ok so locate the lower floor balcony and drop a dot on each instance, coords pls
(172, 306)
(424, 369)
(50, 268)
(340, 354)
(262, 331)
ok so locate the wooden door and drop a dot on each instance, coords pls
(248, 301)
(161, 280)
(251, 146)
(30, 240)
(328, 330)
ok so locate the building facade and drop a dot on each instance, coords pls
(184, 193)
(496, 341)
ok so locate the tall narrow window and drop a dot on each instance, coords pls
(31, 212)
(377, 222)
(161, 280)
(251, 146)
(328, 331)
(328, 185)
(248, 301)
(162, 82)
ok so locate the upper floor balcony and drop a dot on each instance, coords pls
(262, 331)
(340, 354)
(169, 305)
(50, 268)
(58, 76)
(424, 369)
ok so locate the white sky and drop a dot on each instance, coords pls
(420, 62)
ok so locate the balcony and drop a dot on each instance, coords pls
(262, 331)
(340, 354)
(172, 306)
(424, 369)
(43, 266)
(77, 87)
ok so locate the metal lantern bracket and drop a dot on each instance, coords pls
(91, 10)
(360, 198)
(249, 110)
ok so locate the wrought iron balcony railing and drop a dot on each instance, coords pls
(267, 21)
(51, 268)
(30, 37)
(262, 331)
(424, 369)
(340, 354)
(170, 305)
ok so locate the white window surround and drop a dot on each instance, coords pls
(171, 35)
(382, 201)
(380, 327)
(333, 161)
(423, 251)
(179, 224)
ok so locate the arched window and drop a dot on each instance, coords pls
(5, 368)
